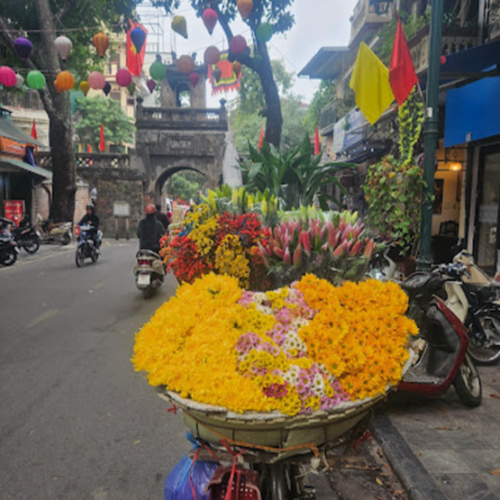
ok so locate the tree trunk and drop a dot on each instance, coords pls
(58, 108)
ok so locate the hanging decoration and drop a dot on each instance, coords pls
(237, 67)
(185, 64)
(101, 43)
(151, 85)
(222, 77)
(57, 86)
(65, 81)
(158, 71)
(238, 45)
(138, 37)
(135, 58)
(35, 80)
(264, 32)
(210, 19)
(85, 87)
(23, 48)
(64, 46)
(212, 55)
(106, 89)
(96, 80)
(7, 76)
(131, 88)
(217, 73)
(123, 77)
(245, 8)
(179, 25)
(19, 81)
(194, 78)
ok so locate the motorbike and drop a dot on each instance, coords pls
(26, 236)
(442, 357)
(8, 246)
(50, 231)
(86, 247)
(149, 272)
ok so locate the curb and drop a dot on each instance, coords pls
(415, 479)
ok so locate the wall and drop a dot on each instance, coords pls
(450, 206)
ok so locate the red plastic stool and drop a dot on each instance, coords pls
(244, 487)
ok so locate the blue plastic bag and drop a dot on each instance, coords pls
(178, 484)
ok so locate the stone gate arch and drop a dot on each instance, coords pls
(165, 175)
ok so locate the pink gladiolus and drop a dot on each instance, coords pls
(346, 232)
(279, 252)
(297, 256)
(332, 238)
(339, 251)
(287, 258)
(356, 249)
(369, 249)
(306, 242)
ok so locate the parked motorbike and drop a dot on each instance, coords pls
(26, 235)
(8, 246)
(149, 272)
(86, 247)
(442, 346)
(50, 231)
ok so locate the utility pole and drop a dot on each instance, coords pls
(431, 133)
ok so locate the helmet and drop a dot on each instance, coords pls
(150, 209)
(90, 206)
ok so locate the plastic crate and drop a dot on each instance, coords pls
(244, 485)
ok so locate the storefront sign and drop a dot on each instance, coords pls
(12, 147)
(13, 210)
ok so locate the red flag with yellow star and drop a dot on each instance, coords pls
(135, 60)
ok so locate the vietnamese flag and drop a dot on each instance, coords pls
(402, 76)
(102, 146)
(317, 143)
(135, 60)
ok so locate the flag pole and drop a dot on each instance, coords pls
(431, 133)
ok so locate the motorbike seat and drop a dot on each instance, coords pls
(421, 284)
(149, 253)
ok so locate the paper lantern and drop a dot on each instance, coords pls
(35, 80)
(19, 81)
(151, 85)
(210, 19)
(237, 67)
(101, 43)
(212, 55)
(185, 64)
(57, 87)
(138, 38)
(96, 80)
(107, 88)
(217, 72)
(64, 46)
(194, 78)
(158, 71)
(85, 87)
(238, 45)
(65, 80)
(131, 88)
(179, 25)
(265, 32)
(123, 77)
(7, 76)
(442, 60)
(245, 8)
(23, 47)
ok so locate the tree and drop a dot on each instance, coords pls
(275, 12)
(118, 127)
(43, 20)
(185, 185)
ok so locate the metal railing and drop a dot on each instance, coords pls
(89, 160)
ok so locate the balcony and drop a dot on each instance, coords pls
(328, 119)
(365, 21)
(181, 118)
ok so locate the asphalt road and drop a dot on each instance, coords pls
(76, 421)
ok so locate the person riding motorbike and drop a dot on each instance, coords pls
(161, 217)
(150, 230)
(91, 219)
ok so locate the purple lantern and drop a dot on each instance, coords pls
(123, 77)
(138, 37)
(107, 88)
(23, 47)
(151, 84)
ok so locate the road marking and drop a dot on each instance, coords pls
(42, 317)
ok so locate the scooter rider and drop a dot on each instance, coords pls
(150, 230)
(91, 219)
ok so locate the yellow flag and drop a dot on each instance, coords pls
(370, 82)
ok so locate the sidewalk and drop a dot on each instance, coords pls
(455, 450)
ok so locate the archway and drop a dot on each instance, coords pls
(192, 183)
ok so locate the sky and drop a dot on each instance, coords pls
(318, 23)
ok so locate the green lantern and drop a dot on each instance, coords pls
(35, 80)
(158, 71)
(265, 32)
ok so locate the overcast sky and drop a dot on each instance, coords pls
(318, 23)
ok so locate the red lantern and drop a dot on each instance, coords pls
(8, 77)
(194, 78)
(101, 43)
(442, 60)
(210, 19)
(212, 55)
(237, 67)
(238, 45)
(123, 77)
(185, 64)
(245, 8)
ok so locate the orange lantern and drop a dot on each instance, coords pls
(101, 43)
(57, 87)
(65, 80)
(237, 67)
(185, 64)
(245, 8)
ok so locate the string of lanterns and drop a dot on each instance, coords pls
(65, 81)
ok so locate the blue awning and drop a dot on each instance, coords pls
(473, 60)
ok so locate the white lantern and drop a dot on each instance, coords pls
(63, 46)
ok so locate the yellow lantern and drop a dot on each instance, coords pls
(179, 25)
(85, 87)
(65, 80)
(245, 8)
